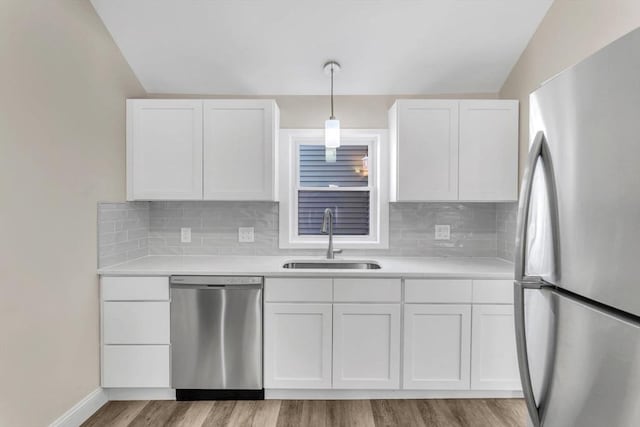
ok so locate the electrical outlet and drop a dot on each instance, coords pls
(443, 232)
(185, 235)
(246, 235)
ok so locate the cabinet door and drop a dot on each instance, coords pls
(494, 361)
(426, 137)
(489, 150)
(437, 344)
(164, 149)
(366, 346)
(297, 345)
(135, 366)
(240, 149)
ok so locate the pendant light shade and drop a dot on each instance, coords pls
(330, 155)
(332, 133)
(331, 126)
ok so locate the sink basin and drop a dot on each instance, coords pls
(333, 265)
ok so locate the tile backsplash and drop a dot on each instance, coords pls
(214, 228)
(506, 219)
(130, 230)
(123, 232)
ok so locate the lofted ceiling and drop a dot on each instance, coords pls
(267, 47)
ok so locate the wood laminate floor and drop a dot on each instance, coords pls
(327, 413)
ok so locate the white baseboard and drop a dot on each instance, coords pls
(388, 394)
(81, 411)
(140, 393)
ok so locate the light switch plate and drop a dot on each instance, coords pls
(443, 232)
(246, 235)
(185, 235)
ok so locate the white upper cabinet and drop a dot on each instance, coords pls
(463, 150)
(488, 150)
(424, 150)
(194, 149)
(164, 149)
(240, 149)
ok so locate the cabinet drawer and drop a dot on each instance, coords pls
(135, 288)
(437, 291)
(493, 291)
(135, 322)
(366, 290)
(298, 290)
(135, 366)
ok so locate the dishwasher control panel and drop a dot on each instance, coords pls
(216, 280)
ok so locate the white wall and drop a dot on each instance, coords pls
(571, 31)
(63, 83)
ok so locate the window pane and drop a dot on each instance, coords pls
(347, 171)
(350, 210)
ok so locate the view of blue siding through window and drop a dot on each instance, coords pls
(351, 207)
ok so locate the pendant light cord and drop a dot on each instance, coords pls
(332, 116)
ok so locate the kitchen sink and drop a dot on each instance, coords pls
(333, 265)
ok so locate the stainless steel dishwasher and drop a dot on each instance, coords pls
(216, 337)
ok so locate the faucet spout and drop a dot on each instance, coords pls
(327, 228)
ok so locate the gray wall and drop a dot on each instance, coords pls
(571, 31)
(63, 85)
(476, 230)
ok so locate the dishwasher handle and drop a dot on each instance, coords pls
(216, 282)
(215, 287)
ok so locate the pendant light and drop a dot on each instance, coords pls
(331, 126)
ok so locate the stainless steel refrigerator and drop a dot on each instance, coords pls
(577, 289)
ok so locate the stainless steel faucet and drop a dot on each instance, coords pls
(327, 228)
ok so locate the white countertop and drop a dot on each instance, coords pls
(271, 266)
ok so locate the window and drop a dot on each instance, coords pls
(350, 186)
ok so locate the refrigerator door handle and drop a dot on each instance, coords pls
(521, 344)
(525, 202)
(539, 150)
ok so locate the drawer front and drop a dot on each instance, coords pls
(437, 291)
(367, 290)
(135, 366)
(298, 290)
(493, 291)
(135, 288)
(135, 322)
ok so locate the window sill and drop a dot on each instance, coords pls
(337, 243)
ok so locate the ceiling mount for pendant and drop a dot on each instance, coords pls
(332, 125)
(329, 65)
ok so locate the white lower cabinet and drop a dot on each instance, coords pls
(494, 363)
(297, 345)
(135, 322)
(135, 332)
(325, 333)
(135, 366)
(437, 346)
(366, 346)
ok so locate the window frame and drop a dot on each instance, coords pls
(377, 142)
